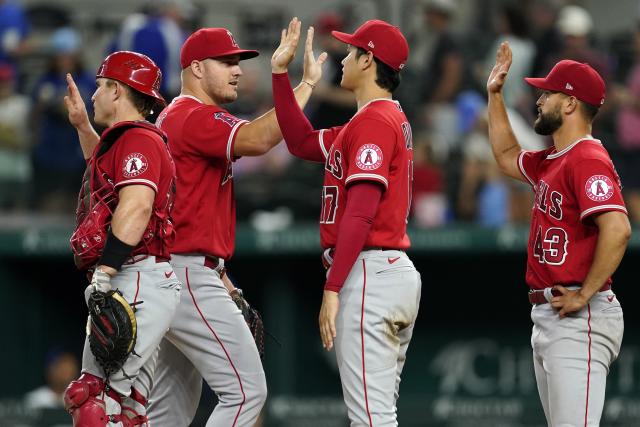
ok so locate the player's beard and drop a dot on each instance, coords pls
(548, 123)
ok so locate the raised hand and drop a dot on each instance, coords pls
(312, 66)
(76, 109)
(499, 73)
(285, 53)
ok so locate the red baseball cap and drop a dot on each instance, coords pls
(211, 43)
(574, 79)
(384, 40)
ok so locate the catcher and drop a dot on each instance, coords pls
(122, 236)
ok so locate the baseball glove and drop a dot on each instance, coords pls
(253, 319)
(112, 329)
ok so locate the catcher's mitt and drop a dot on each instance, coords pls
(112, 329)
(253, 319)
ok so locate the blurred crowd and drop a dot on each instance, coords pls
(442, 92)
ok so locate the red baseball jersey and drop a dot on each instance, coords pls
(570, 186)
(141, 157)
(201, 139)
(376, 145)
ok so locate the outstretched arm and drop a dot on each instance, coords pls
(503, 142)
(302, 140)
(79, 118)
(263, 133)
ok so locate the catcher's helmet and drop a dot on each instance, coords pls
(135, 70)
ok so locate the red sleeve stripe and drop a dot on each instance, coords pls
(138, 182)
(521, 167)
(321, 141)
(589, 211)
(366, 177)
(232, 139)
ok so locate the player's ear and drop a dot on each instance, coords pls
(197, 68)
(571, 104)
(367, 60)
(118, 90)
(114, 88)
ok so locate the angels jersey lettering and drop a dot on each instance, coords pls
(570, 186)
(374, 146)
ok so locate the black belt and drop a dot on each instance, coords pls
(214, 263)
(327, 254)
(536, 296)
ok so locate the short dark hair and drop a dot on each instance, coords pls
(144, 104)
(386, 77)
(589, 111)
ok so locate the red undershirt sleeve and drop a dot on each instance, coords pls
(299, 135)
(363, 198)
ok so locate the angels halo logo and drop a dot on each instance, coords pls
(134, 164)
(599, 188)
(369, 157)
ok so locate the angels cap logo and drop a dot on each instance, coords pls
(134, 65)
(371, 45)
(134, 164)
(369, 157)
(233, 40)
(599, 188)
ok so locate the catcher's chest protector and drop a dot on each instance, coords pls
(98, 199)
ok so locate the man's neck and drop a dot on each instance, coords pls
(568, 134)
(368, 93)
(197, 93)
(126, 116)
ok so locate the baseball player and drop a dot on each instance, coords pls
(579, 232)
(130, 172)
(372, 291)
(208, 337)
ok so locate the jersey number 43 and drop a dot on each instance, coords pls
(552, 248)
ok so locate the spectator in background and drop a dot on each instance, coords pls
(575, 26)
(428, 200)
(159, 33)
(484, 195)
(61, 367)
(512, 26)
(14, 29)
(628, 128)
(58, 162)
(15, 166)
(441, 77)
(331, 104)
(547, 38)
(443, 67)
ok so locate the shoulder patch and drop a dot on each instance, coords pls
(226, 118)
(134, 164)
(369, 157)
(599, 188)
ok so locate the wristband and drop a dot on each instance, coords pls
(115, 252)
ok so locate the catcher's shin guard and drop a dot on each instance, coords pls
(81, 401)
(133, 409)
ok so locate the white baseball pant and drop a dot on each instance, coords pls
(572, 356)
(209, 339)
